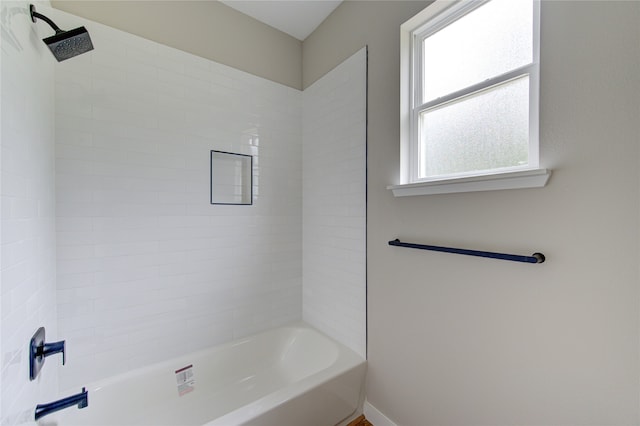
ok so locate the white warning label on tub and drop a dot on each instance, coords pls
(185, 380)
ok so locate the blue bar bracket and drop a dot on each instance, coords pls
(534, 258)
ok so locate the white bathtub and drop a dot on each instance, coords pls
(292, 375)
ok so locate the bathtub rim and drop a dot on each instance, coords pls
(345, 361)
(140, 371)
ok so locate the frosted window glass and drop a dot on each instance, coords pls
(491, 40)
(488, 130)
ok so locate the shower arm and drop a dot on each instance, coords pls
(35, 15)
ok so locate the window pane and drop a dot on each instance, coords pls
(488, 130)
(489, 41)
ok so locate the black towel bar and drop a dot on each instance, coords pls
(534, 258)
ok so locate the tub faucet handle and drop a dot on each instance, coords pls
(40, 349)
(54, 348)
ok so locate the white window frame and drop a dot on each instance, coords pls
(433, 18)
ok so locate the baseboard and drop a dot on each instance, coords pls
(375, 416)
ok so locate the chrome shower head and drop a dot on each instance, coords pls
(64, 44)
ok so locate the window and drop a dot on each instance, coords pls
(470, 95)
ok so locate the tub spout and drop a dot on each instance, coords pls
(81, 400)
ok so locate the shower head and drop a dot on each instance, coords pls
(64, 44)
(67, 44)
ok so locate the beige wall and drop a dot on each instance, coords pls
(460, 340)
(208, 29)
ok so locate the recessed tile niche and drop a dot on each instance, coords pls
(231, 178)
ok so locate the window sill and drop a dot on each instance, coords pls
(536, 178)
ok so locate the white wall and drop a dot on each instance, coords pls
(27, 235)
(334, 203)
(147, 268)
(460, 340)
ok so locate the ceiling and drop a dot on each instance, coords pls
(298, 18)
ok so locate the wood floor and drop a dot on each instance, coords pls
(360, 421)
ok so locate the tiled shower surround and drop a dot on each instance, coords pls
(334, 204)
(27, 234)
(147, 268)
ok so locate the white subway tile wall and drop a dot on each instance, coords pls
(147, 267)
(334, 203)
(27, 194)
